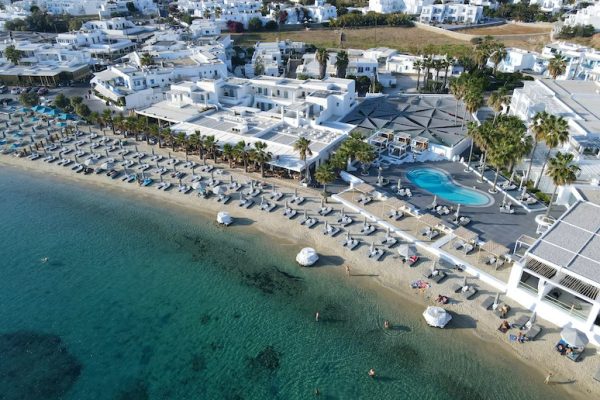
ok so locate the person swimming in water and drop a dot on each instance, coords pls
(386, 324)
(44, 260)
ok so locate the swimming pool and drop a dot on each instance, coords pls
(441, 184)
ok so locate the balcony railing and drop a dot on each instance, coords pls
(569, 308)
(528, 288)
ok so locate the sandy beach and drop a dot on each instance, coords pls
(393, 277)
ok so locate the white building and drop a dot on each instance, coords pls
(272, 56)
(392, 6)
(133, 85)
(586, 16)
(95, 38)
(298, 14)
(204, 27)
(559, 275)
(579, 103)
(222, 11)
(550, 6)
(405, 64)
(581, 62)
(119, 29)
(44, 64)
(276, 111)
(103, 8)
(451, 13)
(516, 60)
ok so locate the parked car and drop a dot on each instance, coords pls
(42, 91)
(26, 90)
(3, 89)
(15, 90)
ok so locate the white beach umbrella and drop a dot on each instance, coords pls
(574, 337)
(399, 183)
(497, 299)
(219, 190)
(90, 161)
(406, 250)
(372, 247)
(307, 257)
(224, 218)
(434, 202)
(457, 214)
(436, 317)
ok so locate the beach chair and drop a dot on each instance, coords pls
(412, 260)
(521, 321)
(432, 234)
(533, 332)
(458, 244)
(438, 276)
(488, 303)
(467, 248)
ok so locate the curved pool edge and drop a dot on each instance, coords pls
(491, 200)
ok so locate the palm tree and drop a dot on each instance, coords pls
(241, 152)
(563, 172)
(557, 134)
(210, 145)
(510, 144)
(457, 88)
(302, 146)
(473, 101)
(322, 56)
(497, 100)
(324, 175)
(261, 156)
(365, 155)
(538, 128)
(341, 63)
(181, 141)
(557, 66)
(166, 136)
(146, 59)
(108, 119)
(472, 131)
(194, 142)
(497, 55)
(229, 153)
(418, 64)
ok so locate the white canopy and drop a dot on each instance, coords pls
(307, 257)
(436, 317)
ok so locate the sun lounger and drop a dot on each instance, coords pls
(425, 231)
(533, 332)
(487, 303)
(521, 321)
(468, 248)
(375, 254)
(367, 229)
(389, 241)
(324, 211)
(438, 276)
(331, 230)
(458, 244)
(465, 292)
(433, 234)
(345, 221)
(396, 215)
(350, 244)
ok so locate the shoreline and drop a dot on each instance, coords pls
(291, 233)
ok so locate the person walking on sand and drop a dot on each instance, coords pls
(347, 270)
(317, 316)
(548, 377)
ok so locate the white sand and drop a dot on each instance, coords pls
(389, 273)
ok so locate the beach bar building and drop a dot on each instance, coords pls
(558, 277)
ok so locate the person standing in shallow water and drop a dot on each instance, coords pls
(372, 373)
(317, 316)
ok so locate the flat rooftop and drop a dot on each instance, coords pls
(433, 117)
(583, 97)
(573, 242)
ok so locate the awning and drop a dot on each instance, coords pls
(364, 188)
(465, 234)
(431, 221)
(494, 248)
(396, 204)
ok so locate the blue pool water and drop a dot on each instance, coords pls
(439, 183)
(141, 302)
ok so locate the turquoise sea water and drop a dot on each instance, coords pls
(141, 302)
(439, 183)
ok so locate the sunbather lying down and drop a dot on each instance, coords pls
(504, 327)
(442, 299)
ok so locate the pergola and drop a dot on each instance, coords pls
(403, 137)
(466, 234)
(363, 188)
(379, 141)
(395, 204)
(420, 143)
(432, 221)
(495, 249)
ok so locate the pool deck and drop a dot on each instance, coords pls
(486, 221)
